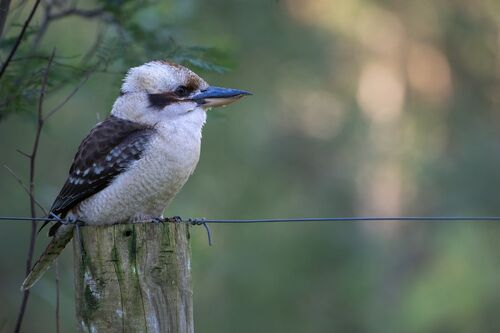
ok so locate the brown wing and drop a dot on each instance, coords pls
(107, 151)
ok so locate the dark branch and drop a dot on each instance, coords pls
(90, 13)
(43, 26)
(34, 151)
(19, 38)
(58, 305)
(57, 108)
(4, 11)
(23, 153)
(25, 188)
(48, 17)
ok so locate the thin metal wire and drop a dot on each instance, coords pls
(353, 219)
(36, 219)
(203, 221)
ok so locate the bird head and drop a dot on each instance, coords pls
(161, 90)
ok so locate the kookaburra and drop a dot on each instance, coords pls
(132, 164)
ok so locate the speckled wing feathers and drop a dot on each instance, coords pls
(107, 151)
(110, 148)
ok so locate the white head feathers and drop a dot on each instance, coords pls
(148, 93)
(159, 77)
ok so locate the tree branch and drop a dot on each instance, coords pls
(57, 108)
(19, 38)
(49, 17)
(25, 188)
(58, 297)
(31, 187)
(43, 26)
(85, 13)
(4, 11)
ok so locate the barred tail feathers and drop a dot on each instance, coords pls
(55, 247)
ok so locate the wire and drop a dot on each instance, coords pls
(204, 222)
(201, 221)
(353, 219)
(22, 218)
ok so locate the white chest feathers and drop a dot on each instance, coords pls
(147, 187)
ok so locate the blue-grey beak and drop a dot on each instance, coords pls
(217, 96)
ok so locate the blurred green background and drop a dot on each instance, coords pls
(360, 108)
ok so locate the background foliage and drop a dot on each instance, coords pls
(360, 107)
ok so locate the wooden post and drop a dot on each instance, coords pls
(133, 278)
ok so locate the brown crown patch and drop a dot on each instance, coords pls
(193, 82)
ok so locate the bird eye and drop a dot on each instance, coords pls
(182, 91)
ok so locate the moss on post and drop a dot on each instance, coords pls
(133, 278)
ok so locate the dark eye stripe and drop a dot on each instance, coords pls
(161, 100)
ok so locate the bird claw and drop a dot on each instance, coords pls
(174, 219)
(68, 220)
(158, 220)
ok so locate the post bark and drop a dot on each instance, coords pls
(133, 278)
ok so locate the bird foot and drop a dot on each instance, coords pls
(158, 220)
(174, 219)
(69, 220)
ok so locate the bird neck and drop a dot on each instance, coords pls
(190, 123)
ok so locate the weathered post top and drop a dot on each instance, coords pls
(133, 278)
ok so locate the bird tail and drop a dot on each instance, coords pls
(55, 247)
